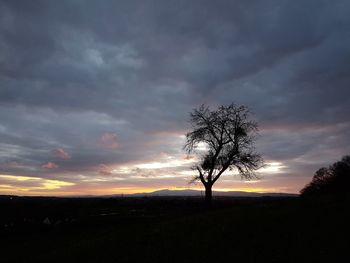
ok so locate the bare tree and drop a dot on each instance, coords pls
(229, 136)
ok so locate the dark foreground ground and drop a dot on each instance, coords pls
(173, 230)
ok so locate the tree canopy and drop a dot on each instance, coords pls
(229, 135)
(329, 181)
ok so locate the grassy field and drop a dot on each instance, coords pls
(173, 230)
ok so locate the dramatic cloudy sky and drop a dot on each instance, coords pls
(95, 95)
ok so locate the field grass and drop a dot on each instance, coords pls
(173, 230)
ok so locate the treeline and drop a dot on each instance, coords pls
(334, 180)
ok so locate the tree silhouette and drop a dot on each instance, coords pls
(229, 136)
(332, 180)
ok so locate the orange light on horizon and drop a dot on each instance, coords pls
(26, 185)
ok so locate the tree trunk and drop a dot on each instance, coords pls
(208, 195)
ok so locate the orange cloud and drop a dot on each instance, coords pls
(109, 140)
(104, 169)
(189, 157)
(50, 165)
(60, 153)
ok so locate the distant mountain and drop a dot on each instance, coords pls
(167, 192)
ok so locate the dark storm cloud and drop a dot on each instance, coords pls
(72, 71)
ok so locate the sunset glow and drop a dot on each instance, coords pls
(24, 185)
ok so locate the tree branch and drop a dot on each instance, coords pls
(201, 177)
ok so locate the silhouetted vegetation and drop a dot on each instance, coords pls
(181, 229)
(334, 180)
(229, 136)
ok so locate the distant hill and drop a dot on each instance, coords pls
(167, 192)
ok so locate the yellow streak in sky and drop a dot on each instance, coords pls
(17, 184)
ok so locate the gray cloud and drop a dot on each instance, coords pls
(71, 71)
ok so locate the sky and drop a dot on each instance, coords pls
(95, 96)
